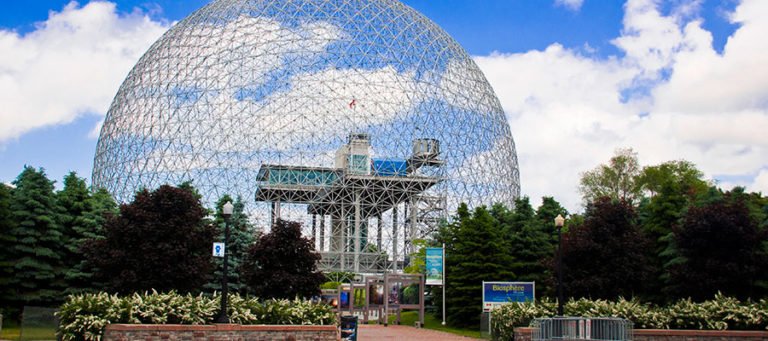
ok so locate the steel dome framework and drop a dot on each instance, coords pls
(360, 118)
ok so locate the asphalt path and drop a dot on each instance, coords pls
(378, 332)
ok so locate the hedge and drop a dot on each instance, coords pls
(84, 316)
(720, 313)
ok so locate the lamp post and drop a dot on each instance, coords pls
(226, 212)
(559, 221)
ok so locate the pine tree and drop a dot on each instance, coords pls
(672, 188)
(530, 244)
(74, 200)
(546, 214)
(38, 270)
(7, 243)
(103, 206)
(241, 238)
(81, 219)
(476, 253)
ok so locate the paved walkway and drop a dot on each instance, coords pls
(378, 332)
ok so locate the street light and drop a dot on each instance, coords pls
(559, 221)
(226, 212)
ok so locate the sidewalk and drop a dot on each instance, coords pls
(398, 332)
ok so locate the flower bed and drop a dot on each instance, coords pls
(84, 317)
(721, 313)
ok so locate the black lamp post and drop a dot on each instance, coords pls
(226, 212)
(559, 221)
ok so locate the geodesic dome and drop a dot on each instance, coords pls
(241, 84)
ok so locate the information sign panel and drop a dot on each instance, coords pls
(497, 293)
(218, 249)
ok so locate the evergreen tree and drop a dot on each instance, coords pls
(102, 206)
(546, 214)
(241, 238)
(7, 244)
(38, 271)
(283, 264)
(673, 187)
(74, 200)
(159, 241)
(81, 219)
(476, 253)
(531, 245)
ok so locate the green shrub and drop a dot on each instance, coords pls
(720, 313)
(645, 316)
(84, 316)
(504, 318)
(330, 285)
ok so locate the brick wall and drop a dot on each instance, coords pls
(706, 335)
(524, 334)
(218, 332)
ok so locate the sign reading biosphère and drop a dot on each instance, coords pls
(434, 265)
(497, 293)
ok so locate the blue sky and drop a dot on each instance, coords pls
(577, 79)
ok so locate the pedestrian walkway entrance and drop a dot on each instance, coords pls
(377, 332)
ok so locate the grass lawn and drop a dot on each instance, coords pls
(409, 318)
(11, 332)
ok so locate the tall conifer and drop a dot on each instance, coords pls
(241, 237)
(38, 269)
(7, 243)
(476, 253)
(81, 219)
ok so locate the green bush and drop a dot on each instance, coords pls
(84, 316)
(645, 316)
(330, 285)
(504, 318)
(720, 313)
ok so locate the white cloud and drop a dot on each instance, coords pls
(737, 79)
(573, 5)
(318, 101)
(69, 66)
(761, 182)
(569, 112)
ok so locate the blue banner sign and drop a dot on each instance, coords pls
(434, 265)
(497, 293)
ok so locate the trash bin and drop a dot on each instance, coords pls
(349, 328)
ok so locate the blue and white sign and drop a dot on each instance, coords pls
(434, 265)
(498, 293)
(218, 249)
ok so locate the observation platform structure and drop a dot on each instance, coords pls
(351, 193)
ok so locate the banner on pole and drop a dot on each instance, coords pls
(434, 265)
(498, 293)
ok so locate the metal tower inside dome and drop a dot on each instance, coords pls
(356, 190)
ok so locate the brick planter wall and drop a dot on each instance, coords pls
(707, 335)
(218, 332)
(524, 334)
